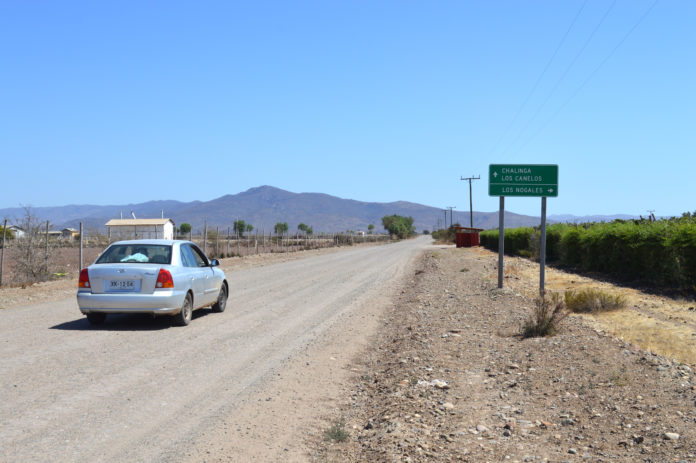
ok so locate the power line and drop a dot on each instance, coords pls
(560, 79)
(592, 74)
(538, 81)
(450, 209)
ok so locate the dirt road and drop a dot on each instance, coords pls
(237, 386)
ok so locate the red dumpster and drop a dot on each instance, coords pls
(467, 237)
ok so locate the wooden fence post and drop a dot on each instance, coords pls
(205, 238)
(2, 253)
(80, 246)
(46, 253)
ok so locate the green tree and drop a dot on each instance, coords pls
(185, 228)
(396, 225)
(281, 228)
(370, 229)
(9, 235)
(249, 227)
(305, 228)
(240, 227)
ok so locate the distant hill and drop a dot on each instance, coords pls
(263, 207)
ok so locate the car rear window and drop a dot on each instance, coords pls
(136, 254)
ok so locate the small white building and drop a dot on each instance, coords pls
(16, 231)
(129, 229)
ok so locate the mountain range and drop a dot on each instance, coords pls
(265, 206)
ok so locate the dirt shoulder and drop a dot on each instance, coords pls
(448, 379)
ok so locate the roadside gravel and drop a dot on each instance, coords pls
(449, 379)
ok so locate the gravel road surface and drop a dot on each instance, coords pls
(138, 389)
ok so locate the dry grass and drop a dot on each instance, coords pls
(591, 300)
(667, 338)
(511, 271)
(659, 324)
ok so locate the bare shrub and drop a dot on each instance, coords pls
(34, 253)
(593, 300)
(546, 317)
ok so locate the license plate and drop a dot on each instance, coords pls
(123, 285)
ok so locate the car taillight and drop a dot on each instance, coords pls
(164, 279)
(84, 279)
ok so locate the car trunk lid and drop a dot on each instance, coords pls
(123, 278)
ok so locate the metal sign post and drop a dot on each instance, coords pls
(528, 180)
(501, 240)
(542, 250)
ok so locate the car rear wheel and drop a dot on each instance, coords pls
(96, 318)
(219, 306)
(183, 318)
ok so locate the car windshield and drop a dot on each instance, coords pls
(136, 254)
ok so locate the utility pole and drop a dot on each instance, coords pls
(445, 211)
(471, 203)
(450, 208)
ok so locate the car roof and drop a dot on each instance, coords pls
(145, 242)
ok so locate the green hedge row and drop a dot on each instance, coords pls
(661, 253)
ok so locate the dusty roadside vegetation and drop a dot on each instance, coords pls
(449, 378)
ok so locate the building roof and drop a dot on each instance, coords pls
(137, 222)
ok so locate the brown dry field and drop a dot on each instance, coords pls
(61, 260)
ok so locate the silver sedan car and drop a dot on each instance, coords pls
(169, 277)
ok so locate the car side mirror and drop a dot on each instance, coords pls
(214, 263)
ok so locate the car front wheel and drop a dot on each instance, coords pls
(183, 318)
(219, 306)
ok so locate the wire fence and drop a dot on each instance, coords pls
(44, 257)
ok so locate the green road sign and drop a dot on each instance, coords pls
(523, 180)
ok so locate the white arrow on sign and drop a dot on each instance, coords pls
(495, 174)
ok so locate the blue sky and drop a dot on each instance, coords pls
(125, 102)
